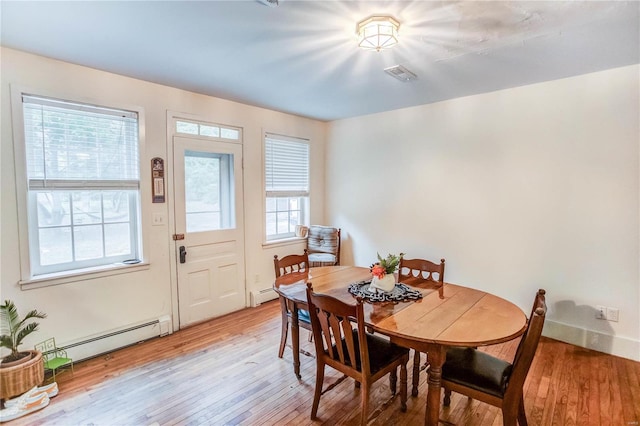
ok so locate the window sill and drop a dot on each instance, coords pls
(283, 242)
(81, 275)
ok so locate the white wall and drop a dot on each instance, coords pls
(92, 307)
(527, 188)
(530, 187)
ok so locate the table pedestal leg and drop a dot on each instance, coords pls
(437, 355)
(295, 341)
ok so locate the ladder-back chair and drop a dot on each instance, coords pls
(421, 273)
(291, 264)
(352, 351)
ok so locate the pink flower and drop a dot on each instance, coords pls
(378, 271)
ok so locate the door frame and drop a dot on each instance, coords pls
(172, 116)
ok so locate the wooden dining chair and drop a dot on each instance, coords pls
(291, 263)
(420, 273)
(492, 380)
(352, 351)
(294, 263)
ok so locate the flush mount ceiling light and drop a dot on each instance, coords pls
(377, 33)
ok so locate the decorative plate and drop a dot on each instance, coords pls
(400, 293)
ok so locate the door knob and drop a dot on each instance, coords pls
(183, 254)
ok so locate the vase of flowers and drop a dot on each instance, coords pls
(383, 272)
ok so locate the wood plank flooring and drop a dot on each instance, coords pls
(226, 372)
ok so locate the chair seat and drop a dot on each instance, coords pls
(381, 351)
(55, 363)
(321, 259)
(303, 315)
(477, 370)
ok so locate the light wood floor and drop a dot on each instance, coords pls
(226, 372)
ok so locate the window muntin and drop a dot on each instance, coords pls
(286, 185)
(83, 180)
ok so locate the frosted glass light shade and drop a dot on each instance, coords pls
(378, 32)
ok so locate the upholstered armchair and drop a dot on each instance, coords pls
(323, 246)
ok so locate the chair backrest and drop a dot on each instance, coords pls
(291, 263)
(527, 347)
(48, 349)
(324, 239)
(420, 272)
(336, 340)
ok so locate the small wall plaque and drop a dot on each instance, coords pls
(157, 179)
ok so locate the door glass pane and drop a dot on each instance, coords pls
(212, 131)
(230, 133)
(208, 191)
(185, 127)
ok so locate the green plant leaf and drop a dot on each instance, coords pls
(25, 331)
(14, 330)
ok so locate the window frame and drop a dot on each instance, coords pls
(29, 279)
(303, 196)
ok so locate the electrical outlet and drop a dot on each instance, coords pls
(601, 312)
(613, 314)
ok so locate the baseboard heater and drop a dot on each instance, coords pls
(99, 345)
(260, 296)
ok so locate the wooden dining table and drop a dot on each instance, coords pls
(463, 317)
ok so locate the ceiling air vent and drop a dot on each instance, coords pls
(401, 73)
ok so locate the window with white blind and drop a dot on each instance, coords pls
(286, 185)
(83, 185)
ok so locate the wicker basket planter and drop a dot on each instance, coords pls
(20, 378)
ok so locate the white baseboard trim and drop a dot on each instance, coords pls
(609, 344)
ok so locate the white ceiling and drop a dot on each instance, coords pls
(302, 56)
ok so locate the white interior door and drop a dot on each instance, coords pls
(209, 217)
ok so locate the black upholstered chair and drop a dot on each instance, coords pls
(492, 380)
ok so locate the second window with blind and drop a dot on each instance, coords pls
(286, 185)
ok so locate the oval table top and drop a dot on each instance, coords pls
(464, 317)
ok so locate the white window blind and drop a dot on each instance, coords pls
(71, 145)
(286, 166)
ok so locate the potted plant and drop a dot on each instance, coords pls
(19, 371)
(14, 330)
